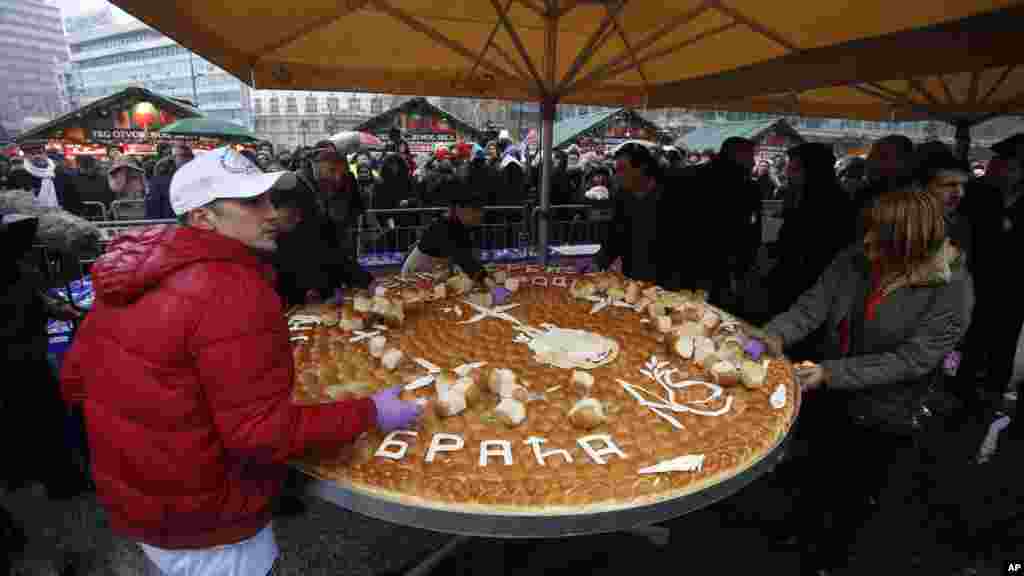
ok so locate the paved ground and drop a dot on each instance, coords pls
(727, 538)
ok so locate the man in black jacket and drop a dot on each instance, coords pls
(642, 233)
(310, 263)
(447, 241)
(722, 235)
(158, 197)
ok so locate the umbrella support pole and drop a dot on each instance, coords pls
(547, 108)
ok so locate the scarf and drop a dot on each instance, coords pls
(47, 196)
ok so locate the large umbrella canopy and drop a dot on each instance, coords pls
(210, 128)
(973, 96)
(609, 52)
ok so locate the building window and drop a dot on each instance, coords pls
(293, 125)
(354, 104)
(292, 105)
(377, 105)
(333, 104)
(275, 124)
(258, 106)
(275, 107)
(313, 125)
(310, 105)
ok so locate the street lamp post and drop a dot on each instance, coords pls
(192, 72)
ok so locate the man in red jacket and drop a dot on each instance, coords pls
(185, 372)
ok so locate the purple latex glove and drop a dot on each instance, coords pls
(585, 266)
(754, 348)
(393, 413)
(951, 363)
(500, 295)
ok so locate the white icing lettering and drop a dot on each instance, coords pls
(539, 281)
(501, 448)
(393, 448)
(535, 442)
(688, 463)
(560, 282)
(597, 455)
(444, 442)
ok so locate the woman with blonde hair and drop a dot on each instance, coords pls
(894, 306)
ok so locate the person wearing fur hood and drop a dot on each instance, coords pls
(58, 229)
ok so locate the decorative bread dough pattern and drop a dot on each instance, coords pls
(567, 480)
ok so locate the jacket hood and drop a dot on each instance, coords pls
(138, 261)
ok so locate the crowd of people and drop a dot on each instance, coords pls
(888, 282)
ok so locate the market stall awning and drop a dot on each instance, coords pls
(712, 136)
(210, 128)
(424, 126)
(129, 116)
(599, 126)
(611, 52)
(399, 117)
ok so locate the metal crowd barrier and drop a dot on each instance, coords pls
(128, 209)
(94, 211)
(503, 227)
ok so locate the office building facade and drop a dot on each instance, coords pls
(111, 57)
(33, 56)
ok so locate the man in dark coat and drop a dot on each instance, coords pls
(93, 186)
(309, 262)
(722, 242)
(642, 233)
(158, 198)
(996, 213)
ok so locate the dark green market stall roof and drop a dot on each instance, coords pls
(385, 120)
(568, 130)
(712, 135)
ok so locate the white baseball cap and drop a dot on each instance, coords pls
(218, 174)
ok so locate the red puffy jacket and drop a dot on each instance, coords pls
(185, 371)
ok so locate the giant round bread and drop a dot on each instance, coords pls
(631, 422)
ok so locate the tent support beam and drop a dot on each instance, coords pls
(629, 48)
(945, 88)
(490, 40)
(414, 23)
(998, 84)
(640, 46)
(594, 43)
(523, 76)
(567, 6)
(754, 25)
(518, 42)
(972, 90)
(899, 101)
(920, 89)
(615, 72)
(542, 12)
(320, 23)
